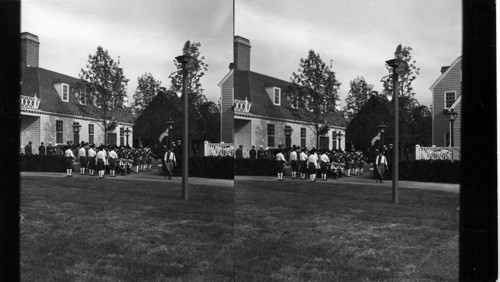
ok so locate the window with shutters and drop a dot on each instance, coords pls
(270, 135)
(59, 131)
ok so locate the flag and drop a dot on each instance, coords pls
(163, 135)
(377, 137)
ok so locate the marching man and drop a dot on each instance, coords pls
(170, 162)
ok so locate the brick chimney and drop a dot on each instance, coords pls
(29, 49)
(241, 53)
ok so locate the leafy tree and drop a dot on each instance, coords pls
(422, 125)
(408, 102)
(406, 80)
(104, 85)
(147, 87)
(197, 99)
(194, 74)
(359, 93)
(314, 89)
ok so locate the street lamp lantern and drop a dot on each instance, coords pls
(76, 131)
(381, 129)
(76, 127)
(399, 68)
(170, 126)
(188, 62)
(127, 133)
(452, 116)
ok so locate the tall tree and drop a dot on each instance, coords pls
(147, 88)
(194, 75)
(103, 85)
(314, 89)
(359, 92)
(408, 101)
(195, 89)
(406, 80)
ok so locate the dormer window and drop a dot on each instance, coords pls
(65, 92)
(274, 94)
(277, 96)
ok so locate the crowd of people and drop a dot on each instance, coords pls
(99, 160)
(110, 160)
(318, 162)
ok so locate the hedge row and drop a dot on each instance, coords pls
(208, 167)
(260, 167)
(441, 171)
(42, 163)
(211, 167)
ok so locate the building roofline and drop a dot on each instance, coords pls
(445, 73)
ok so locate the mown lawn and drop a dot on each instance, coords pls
(297, 230)
(83, 228)
(87, 229)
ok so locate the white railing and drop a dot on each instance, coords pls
(437, 153)
(218, 149)
(29, 102)
(242, 106)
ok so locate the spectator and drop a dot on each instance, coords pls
(253, 153)
(239, 152)
(27, 149)
(51, 150)
(41, 149)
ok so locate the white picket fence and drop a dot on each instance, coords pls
(437, 153)
(218, 149)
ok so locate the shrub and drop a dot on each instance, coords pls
(442, 171)
(260, 167)
(42, 163)
(207, 167)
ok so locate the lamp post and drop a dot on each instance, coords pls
(334, 137)
(340, 138)
(127, 133)
(76, 131)
(452, 116)
(187, 63)
(381, 129)
(170, 126)
(288, 136)
(399, 67)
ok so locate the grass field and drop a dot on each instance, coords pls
(304, 231)
(124, 230)
(83, 228)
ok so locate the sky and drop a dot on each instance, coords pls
(146, 35)
(357, 36)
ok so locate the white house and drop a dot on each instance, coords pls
(51, 111)
(447, 96)
(255, 110)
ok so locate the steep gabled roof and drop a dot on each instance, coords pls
(252, 86)
(41, 82)
(443, 75)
